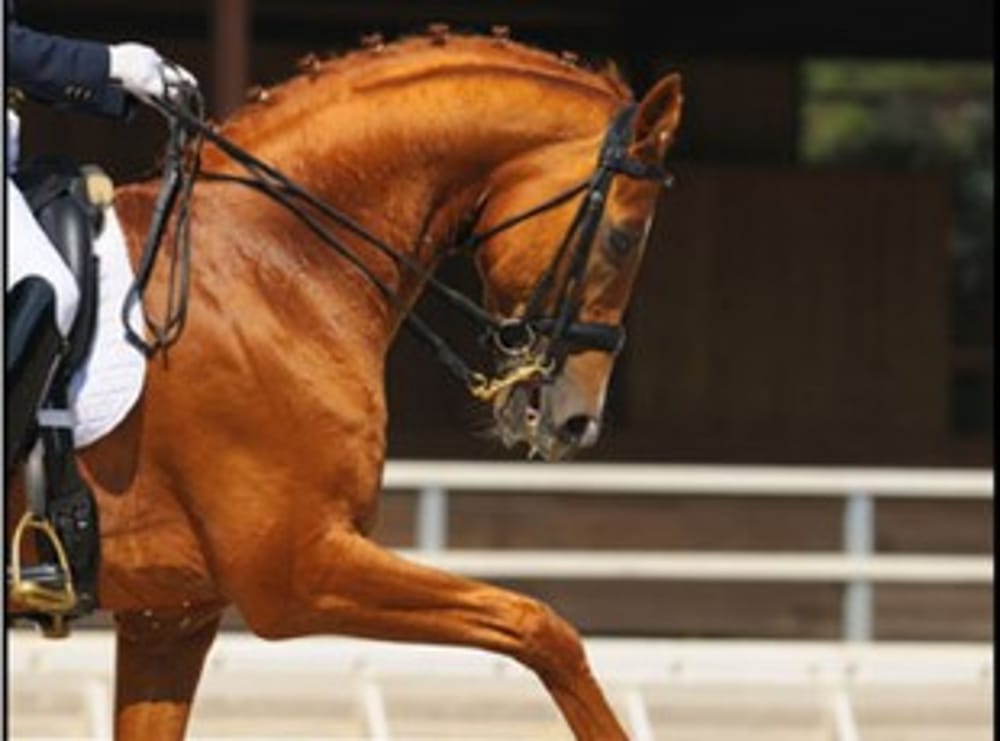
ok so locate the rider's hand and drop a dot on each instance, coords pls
(144, 73)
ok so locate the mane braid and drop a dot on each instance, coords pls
(368, 69)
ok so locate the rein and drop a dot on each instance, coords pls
(176, 185)
(516, 339)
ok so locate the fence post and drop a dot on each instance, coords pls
(859, 540)
(432, 519)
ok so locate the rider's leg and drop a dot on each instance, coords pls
(40, 307)
(30, 252)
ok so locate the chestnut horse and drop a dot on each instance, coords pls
(249, 473)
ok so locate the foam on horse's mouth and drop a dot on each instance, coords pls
(520, 418)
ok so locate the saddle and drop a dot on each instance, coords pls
(68, 201)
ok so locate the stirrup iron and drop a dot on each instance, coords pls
(58, 600)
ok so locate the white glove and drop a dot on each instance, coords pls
(144, 73)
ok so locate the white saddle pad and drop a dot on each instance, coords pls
(110, 382)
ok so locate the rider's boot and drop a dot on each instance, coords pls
(34, 351)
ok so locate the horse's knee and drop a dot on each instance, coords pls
(546, 641)
(155, 628)
(159, 659)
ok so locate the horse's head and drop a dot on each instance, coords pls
(564, 230)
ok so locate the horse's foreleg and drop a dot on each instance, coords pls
(159, 660)
(351, 586)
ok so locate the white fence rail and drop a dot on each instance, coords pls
(351, 689)
(697, 566)
(638, 478)
(857, 564)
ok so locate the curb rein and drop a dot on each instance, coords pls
(516, 339)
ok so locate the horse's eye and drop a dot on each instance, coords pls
(620, 242)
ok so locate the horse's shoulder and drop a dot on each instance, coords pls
(133, 203)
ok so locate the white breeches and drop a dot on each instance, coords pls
(29, 251)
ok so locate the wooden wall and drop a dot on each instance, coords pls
(793, 315)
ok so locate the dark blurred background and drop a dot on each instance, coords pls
(818, 288)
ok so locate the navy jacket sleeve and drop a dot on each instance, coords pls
(63, 71)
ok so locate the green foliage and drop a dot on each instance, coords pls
(894, 114)
(857, 77)
(917, 116)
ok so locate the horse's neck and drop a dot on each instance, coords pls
(409, 170)
(406, 162)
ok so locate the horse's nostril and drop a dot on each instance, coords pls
(580, 429)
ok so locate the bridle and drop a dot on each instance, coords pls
(532, 346)
(563, 330)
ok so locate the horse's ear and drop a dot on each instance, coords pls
(658, 118)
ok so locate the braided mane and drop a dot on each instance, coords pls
(412, 57)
